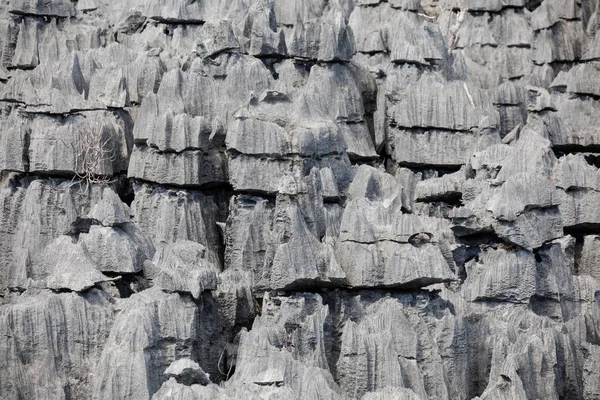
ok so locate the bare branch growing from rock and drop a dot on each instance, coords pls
(94, 153)
(452, 31)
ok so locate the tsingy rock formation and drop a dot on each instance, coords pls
(299, 199)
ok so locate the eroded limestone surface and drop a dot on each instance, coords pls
(299, 199)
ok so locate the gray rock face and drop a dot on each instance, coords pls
(168, 215)
(89, 144)
(110, 211)
(588, 263)
(187, 372)
(48, 327)
(299, 199)
(501, 275)
(68, 268)
(182, 267)
(146, 322)
(578, 183)
(286, 244)
(379, 246)
(36, 213)
(325, 39)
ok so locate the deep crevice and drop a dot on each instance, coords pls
(124, 189)
(582, 229)
(204, 188)
(452, 199)
(533, 4)
(127, 284)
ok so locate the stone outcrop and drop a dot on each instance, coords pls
(299, 199)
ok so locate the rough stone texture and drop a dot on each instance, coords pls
(588, 262)
(288, 243)
(379, 245)
(152, 330)
(168, 215)
(92, 143)
(327, 39)
(117, 249)
(182, 267)
(299, 199)
(51, 343)
(187, 372)
(486, 279)
(110, 210)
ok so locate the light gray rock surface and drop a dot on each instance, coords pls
(379, 245)
(187, 372)
(182, 267)
(299, 199)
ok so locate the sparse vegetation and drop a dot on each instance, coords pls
(94, 152)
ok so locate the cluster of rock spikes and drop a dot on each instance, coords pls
(299, 199)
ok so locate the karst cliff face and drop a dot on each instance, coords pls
(299, 199)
